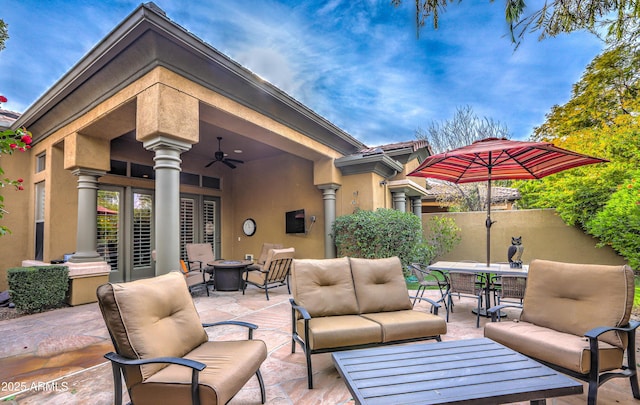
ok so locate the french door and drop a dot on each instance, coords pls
(126, 234)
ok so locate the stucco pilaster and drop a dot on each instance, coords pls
(163, 111)
(329, 198)
(86, 244)
(167, 201)
(416, 205)
(83, 151)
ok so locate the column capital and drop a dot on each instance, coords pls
(80, 171)
(329, 186)
(163, 142)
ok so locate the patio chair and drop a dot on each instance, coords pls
(511, 289)
(274, 273)
(198, 257)
(195, 278)
(575, 318)
(262, 258)
(163, 351)
(464, 285)
(429, 279)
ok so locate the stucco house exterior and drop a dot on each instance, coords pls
(119, 164)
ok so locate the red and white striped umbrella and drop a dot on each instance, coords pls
(500, 159)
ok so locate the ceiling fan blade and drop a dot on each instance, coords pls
(231, 165)
(234, 160)
(210, 163)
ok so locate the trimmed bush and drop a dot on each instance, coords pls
(35, 289)
(378, 234)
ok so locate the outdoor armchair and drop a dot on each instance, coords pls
(274, 272)
(576, 319)
(429, 279)
(262, 258)
(163, 351)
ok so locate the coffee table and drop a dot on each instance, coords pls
(471, 371)
(227, 274)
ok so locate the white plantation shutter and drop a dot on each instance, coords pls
(187, 228)
(209, 224)
(142, 230)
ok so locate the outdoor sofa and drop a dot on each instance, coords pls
(349, 303)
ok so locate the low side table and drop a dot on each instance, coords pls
(227, 274)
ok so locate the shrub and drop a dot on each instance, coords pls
(378, 234)
(442, 235)
(35, 289)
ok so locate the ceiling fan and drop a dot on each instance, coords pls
(220, 157)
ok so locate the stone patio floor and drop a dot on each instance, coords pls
(56, 357)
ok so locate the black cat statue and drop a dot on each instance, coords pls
(514, 254)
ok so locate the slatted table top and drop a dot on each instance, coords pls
(472, 371)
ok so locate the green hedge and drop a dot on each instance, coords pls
(35, 289)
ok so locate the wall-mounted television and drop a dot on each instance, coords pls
(295, 221)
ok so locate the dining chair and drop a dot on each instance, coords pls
(464, 285)
(429, 279)
(511, 288)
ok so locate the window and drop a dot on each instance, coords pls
(187, 218)
(142, 171)
(189, 179)
(209, 224)
(211, 182)
(108, 226)
(41, 162)
(39, 242)
(142, 229)
(118, 167)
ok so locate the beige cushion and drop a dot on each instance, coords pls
(230, 364)
(563, 349)
(408, 324)
(199, 252)
(380, 285)
(574, 298)
(259, 277)
(152, 324)
(340, 331)
(266, 247)
(324, 286)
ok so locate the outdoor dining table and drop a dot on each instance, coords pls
(498, 269)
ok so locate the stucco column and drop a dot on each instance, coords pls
(416, 205)
(167, 201)
(86, 243)
(399, 201)
(329, 197)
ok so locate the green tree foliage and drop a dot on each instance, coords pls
(4, 33)
(618, 20)
(601, 119)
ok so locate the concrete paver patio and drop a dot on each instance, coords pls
(56, 357)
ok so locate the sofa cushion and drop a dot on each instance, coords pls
(146, 316)
(324, 286)
(407, 324)
(563, 349)
(340, 331)
(230, 364)
(380, 285)
(574, 298)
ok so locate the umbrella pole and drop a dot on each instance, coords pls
(488, 222)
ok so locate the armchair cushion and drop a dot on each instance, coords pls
(219, 381)
(562, 349)
(377, 278)
(324, 286)
(137, 316)
(575, 298)
(345, 330)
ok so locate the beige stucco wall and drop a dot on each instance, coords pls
(13, 246)
(544, 236)
(264, 190)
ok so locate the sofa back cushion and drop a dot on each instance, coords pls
(153, 317)
(324, 287)
(380, 285)
(575, 298)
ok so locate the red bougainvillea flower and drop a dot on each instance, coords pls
(20, 188)
(21, 149)
(20, 180)
(13, 146)
(3, 99)
(26, 139)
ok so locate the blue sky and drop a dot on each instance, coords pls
(356, 63)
